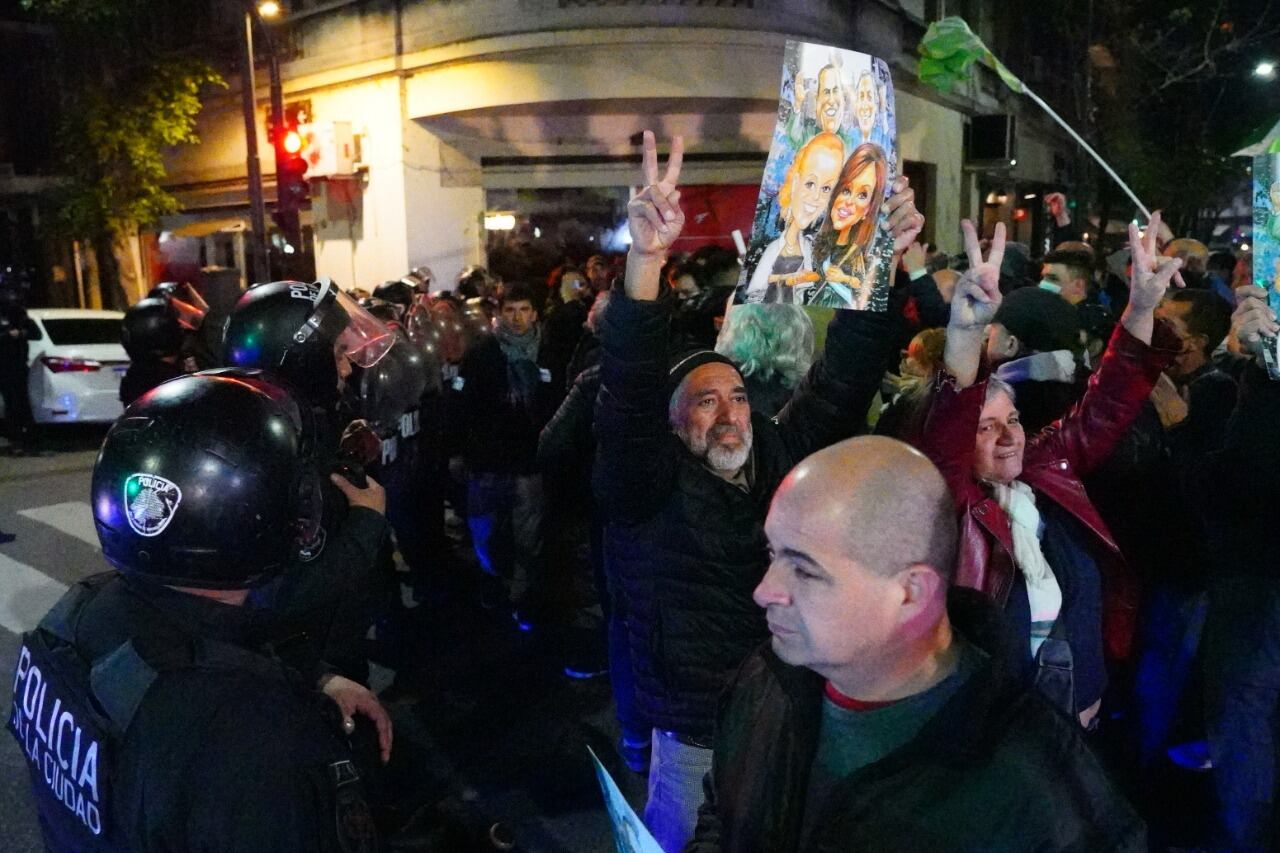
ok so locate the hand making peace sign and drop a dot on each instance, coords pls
(1152, 272)
(977, 294)
(654, 215)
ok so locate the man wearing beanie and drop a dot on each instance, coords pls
(1034, 344)
(685, 474)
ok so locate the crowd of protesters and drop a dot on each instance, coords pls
(979, 572)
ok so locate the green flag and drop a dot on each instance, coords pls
(949, 50)
(947, 54)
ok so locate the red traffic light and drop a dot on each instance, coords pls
(291, 142)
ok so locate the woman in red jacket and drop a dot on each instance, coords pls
(1029, 535)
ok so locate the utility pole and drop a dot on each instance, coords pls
(257, 206)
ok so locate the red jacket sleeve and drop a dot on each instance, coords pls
(1087, 434)
(950, 434)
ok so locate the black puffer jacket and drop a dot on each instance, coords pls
(996, 769)
(685, 547)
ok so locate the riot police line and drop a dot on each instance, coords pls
(242, 510)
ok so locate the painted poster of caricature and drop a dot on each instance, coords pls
(1266, 240)
(818, 237)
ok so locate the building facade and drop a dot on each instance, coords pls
(523, 106)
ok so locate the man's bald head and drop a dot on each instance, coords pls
(863, 536)
(887, 503)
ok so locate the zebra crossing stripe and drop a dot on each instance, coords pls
(26, 594)
(73, 518)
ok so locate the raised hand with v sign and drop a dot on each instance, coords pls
(654, 215)
(977, 294)
(977, 297)
(1149, 281)
(654, 218)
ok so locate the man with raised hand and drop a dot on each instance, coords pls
(887, 715)
(685, 473)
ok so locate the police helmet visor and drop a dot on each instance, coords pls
(186, 302)
(366, 339)
(358, 335)
(190, 316)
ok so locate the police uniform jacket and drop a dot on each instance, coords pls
(220, 758)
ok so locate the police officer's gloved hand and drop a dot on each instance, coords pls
(359, 442)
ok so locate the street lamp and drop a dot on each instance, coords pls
(1266, 69)
(257, 205)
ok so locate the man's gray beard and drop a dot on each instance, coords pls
(716, 456)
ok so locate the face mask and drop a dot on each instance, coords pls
(1050, 286)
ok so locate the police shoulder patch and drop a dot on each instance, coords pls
(150, 503)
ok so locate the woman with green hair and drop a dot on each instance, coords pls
(772, 347)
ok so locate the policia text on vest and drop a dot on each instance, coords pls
(60, 750)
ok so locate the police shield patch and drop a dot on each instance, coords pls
(150, 502)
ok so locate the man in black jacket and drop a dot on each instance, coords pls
(505, 394)
(684, 473)
(1233, 486)
(884, 717)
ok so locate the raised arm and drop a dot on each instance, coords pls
(1139, 351)
(634, 450)
(974, 304)
(1149, 281)
(655, 220)
(955, 402)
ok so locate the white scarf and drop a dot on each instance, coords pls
(1043, 593)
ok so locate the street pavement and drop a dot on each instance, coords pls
(497, 732)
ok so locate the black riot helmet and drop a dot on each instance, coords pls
(420, 279)
(298, 330)
(396, 292)
(151, 329)
(394, 385)
(208, 482)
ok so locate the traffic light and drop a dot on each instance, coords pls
(292, 189)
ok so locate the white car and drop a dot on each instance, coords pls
(76, 365)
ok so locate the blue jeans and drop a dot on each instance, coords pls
(622, 678)
(1169, 638)
(504, 513)
(676, 771)
(1242, 708)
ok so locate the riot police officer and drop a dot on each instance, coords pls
(312, 336)
(150, 715)
(152, 336)
(401, 398)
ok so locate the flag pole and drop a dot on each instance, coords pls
(1087, 147)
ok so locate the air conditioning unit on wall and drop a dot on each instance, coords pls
(329, 148)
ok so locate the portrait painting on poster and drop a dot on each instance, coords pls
(819, 237)
(1266, 239)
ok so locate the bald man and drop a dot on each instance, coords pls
(883, 715)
